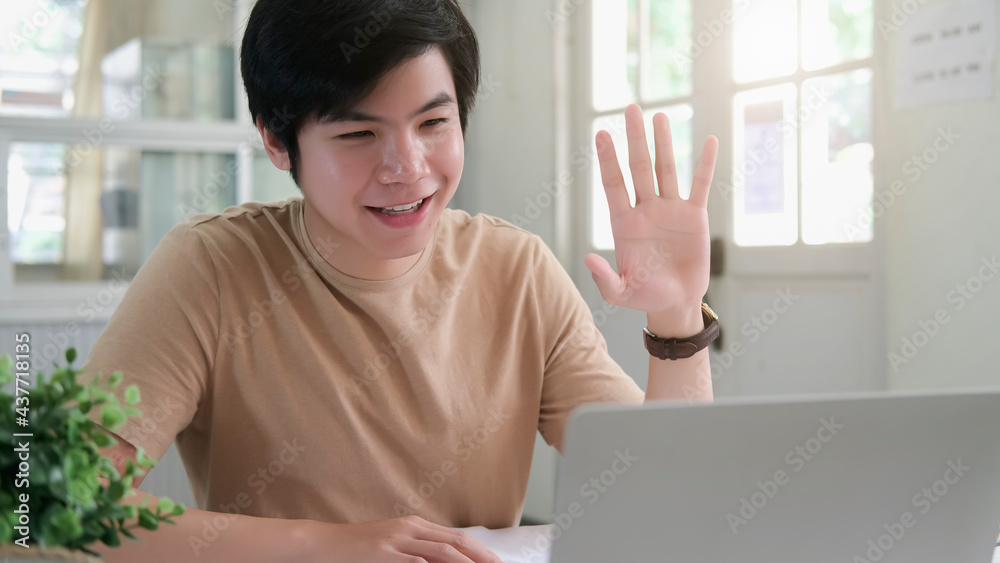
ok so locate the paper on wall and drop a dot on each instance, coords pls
(944, 52)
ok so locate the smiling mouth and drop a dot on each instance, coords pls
(401, 209)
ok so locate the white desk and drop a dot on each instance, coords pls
(530, 544)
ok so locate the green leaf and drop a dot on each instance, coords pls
(6, 369)
(65, 522)
(116, 490)
(102, 440)
(148, 520)
(140, 456)
(111, 538)
(112, 416)
(70, 355)
(6, 531)
(178, 510)
(116, 379)
(132, 412)
(132, 395)
(165, 505)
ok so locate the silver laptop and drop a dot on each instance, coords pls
(908, 478)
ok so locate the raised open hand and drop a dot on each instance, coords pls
(661, 244)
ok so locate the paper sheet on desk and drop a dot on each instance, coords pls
(530, 544)
(526, 544)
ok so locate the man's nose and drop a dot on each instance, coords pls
(404, 161)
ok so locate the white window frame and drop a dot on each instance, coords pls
(713, 91)
(59, 300)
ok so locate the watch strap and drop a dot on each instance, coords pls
(680, 348)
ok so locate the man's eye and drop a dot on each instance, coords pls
(356, 135)
(438, 121)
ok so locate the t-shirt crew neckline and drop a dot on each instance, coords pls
(339, 278)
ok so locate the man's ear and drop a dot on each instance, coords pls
(276, 150)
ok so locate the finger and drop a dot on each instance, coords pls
(461, 546)
(638, 155)
(666, 167)
(702, 182)
(611, 174)
(432, 551)
(608, 281)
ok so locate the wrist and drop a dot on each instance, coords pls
(679, 323)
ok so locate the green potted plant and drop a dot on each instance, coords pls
(58, 494)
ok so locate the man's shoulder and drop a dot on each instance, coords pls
(247, 224)
(243, 215)
(458, 227)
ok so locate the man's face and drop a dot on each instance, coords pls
(377, 182)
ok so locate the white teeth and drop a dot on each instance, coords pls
(402, 208)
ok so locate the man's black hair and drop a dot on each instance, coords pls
(317, 59)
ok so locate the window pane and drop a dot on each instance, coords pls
(35, 202)
(680, 127)
(615, 53)
(763, 188)
(667, 72)
(765, 39)
(123, 59)
(270, 183)
(81, 213)
(38, 56)
(836, 31)
(837, 182)
(150, 79)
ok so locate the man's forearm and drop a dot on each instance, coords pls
(689, 379)
(211, 536)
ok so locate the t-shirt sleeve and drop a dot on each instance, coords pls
(163, 337)
(578, 368)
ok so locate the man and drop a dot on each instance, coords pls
(357, 372)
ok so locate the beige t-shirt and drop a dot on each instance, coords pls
(295, 391)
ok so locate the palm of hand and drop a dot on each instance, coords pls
(661, 244)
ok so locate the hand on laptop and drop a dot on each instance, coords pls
(399, 539)
(661, 244)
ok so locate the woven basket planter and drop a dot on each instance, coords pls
(10, 553)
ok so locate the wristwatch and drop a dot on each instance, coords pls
(677, 348)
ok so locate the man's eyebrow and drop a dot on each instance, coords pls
(442, 99)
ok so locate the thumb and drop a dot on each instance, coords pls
(608, 281)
